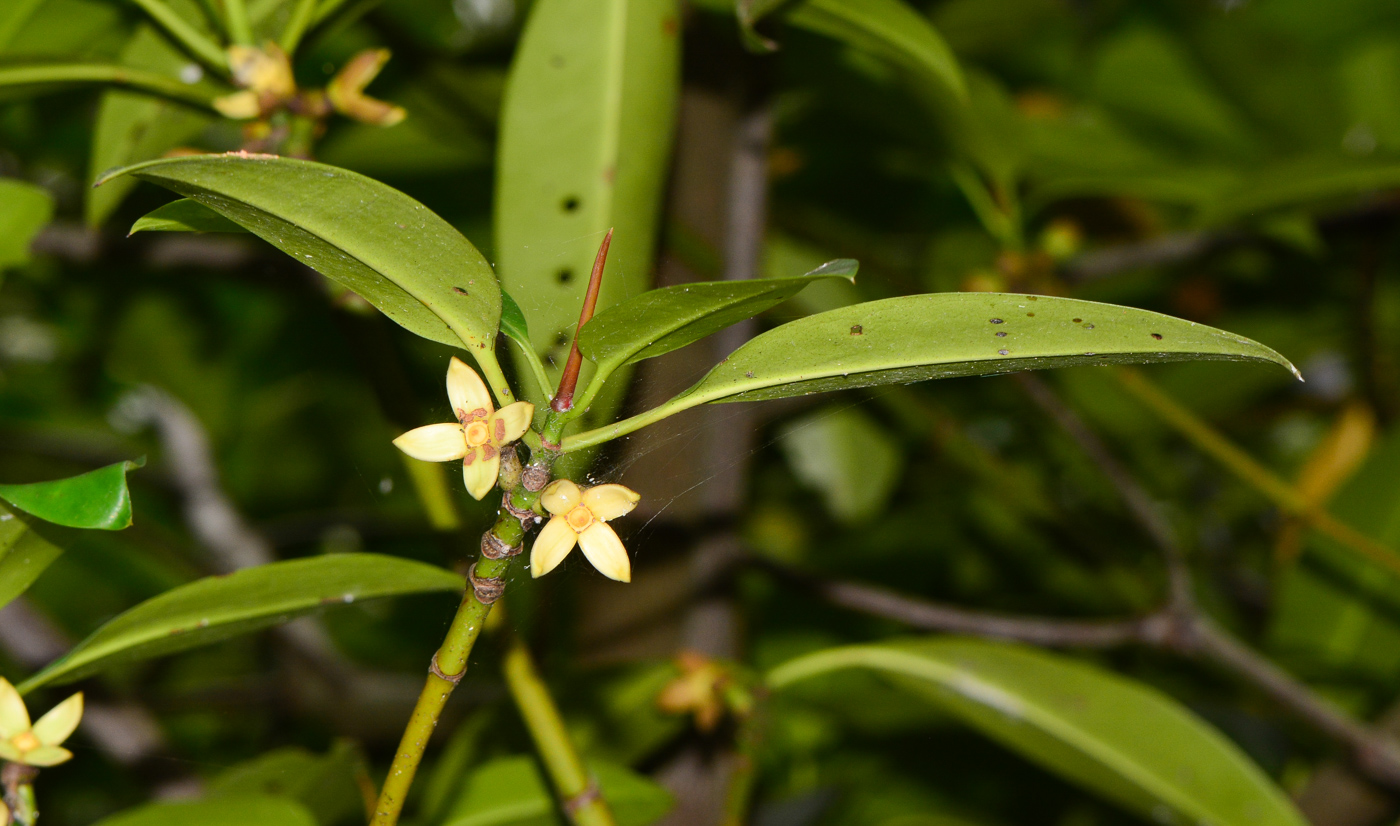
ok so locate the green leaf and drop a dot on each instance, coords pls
(369, 237)
(24, 210)
(97, 499)
(13, 15)
(589, 110)
(184, 215)
(324, 784)
(1303, 182)
(217, 608)
(513, 322)
(667, 319)
(133, 127)
(890, 28)
(509, 791)
(848, 457)
(24, 552)
(943, 335)
(1120, 738)
(241, 811)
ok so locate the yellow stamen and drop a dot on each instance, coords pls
(580, 518)
(477, 434)
(25, 741)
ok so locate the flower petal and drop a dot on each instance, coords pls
(480, 474)
(561, 497)
(56, 726)
(8, 751)
(610, 501)
(46, 756)
(602, 547)
(551, 546)
(14, 718)
(434, 442)
(466, 390)
(511, 422)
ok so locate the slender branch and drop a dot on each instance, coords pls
(191, 38)
(297, 25)
(1242, 465)
(564, 398)
(138, 79)
(578, 791)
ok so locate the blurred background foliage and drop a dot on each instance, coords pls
(1232, 162)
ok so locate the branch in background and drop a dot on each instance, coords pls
(1156, 252)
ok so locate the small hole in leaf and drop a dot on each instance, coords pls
(570, 204)
(561, 338)
(995, 321)
(1077, 320)
(1001, 335)
(564, 276)
(1157, 336)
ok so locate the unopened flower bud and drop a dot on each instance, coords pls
(347, 90)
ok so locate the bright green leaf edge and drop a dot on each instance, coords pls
(96, 500)
(184, 215)
(942, 335)
(25, 551)
(970, 679)
(217, 608)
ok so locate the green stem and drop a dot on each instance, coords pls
(240, 27)
(138, 79)
(180, 29)
(296, 27)
(540, 375)
(598, 435)
(578, 792)
(18, 782)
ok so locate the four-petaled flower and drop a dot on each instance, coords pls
(477, 438)
(578, 517)
(37, 744)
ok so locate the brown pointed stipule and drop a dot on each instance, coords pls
(568, 382)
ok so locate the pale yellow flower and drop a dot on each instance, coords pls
(578, 518)
(38, 744)
(477, 437)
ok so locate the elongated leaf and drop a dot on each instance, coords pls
(24, 210)
(667, 319)
(13, 15)
(217, 608)
(513, 322)
(24, 552)
(97, 499)
(509, 791)
(184, 215)
(323, 783)
(890, 28)
(373, 239)
(134, 127)
(224, 811)
(943, 335)
(585, 145)
(1122, 739)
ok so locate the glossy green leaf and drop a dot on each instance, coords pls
(184, 215)
(133, 127)
(659, 321)
(510, 791)
(97, 499)
(943, 335)
(217, 608)
(1122, 739)
(376, 241)
(323, 783)
(585, 145)
(26, 549)
(24, 210)
(13, 15)
(890, 28)
(513, 322)
(239, 811)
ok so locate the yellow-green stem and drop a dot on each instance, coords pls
(578, 793)
(138, 79)
(240, 28)
(191, 38)
(430, 483)
(1273, 487)
(296, 27)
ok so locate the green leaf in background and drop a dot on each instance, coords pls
(510, 791)
(217, 608)
(13, 15)
(1122, 739)
(1316, 182)
(943, 335)
(659, 321)
(24, 552)
(24, 210)
(513, 322)
(848, 457)
(890, 28)
(240, 811)
(585, 145)
(134, 127)
(97, 499)
(323, 783)
(376, 241)
(184, 215)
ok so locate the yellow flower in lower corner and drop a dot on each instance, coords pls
(477, 437)
(578, 518)
(38, 744)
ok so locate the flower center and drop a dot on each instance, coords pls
(477, 434)
(25, 741)
(579, 518)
